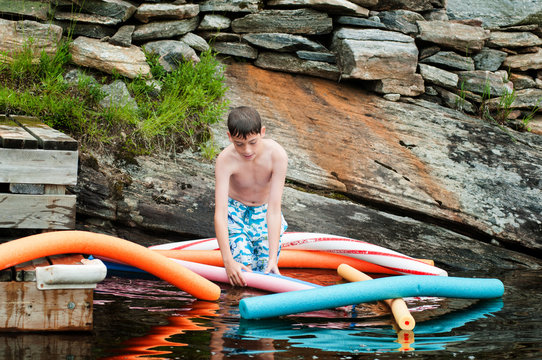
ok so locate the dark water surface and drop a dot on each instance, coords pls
(150, 319)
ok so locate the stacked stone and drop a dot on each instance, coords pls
(393, 47)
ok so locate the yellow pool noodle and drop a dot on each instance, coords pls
(398, 307)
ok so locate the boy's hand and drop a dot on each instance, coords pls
(235, 273)
(272, 269)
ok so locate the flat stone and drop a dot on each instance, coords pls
(282, 42)
(461, 37)
(220, 36)
(148, 12)
(28, 8)
(236, 6)
(438, 76)
(412, 85)
(524, 62)
(95, 31)
(317, 56)
(489, 59)
(164, 29)
(526, 99)
(293, 64)
(86, 18)
(119, 9)
(371, 34)
(235, 49)
(342, 7)
(361, 22)
(403, 21)
(130, 62)
(450, 60)
(123, 37)
(171, 53)
(522, 81)
(513, 39)
(196, 42)
(214, 22)
(487, 83)
(301, 22)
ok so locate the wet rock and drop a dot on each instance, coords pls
(150, 12)
(301, 22)
(93, 53)
(164, 29)
(461, 37)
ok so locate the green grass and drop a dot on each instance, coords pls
(176, 118)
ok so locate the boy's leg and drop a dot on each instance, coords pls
(260, 244)
(240, 244)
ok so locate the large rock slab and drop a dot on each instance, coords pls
(165, 29)
(148, 12)
(118, 9)
(29, 8)
(496, 13)
(15, 36)
(126, 61)
(282, 42)
(461, 175)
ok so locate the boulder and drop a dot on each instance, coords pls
(126, 61)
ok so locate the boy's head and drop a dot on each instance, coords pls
(244, 121)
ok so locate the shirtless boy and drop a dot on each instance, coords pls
(249, 181)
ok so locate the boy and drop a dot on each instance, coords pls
(249, 181)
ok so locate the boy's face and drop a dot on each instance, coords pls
(248, 147)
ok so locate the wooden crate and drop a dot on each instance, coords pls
(36, 164)
(23, 307)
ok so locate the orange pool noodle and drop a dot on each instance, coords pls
(398, 307)
(66, 242)
(310, 259)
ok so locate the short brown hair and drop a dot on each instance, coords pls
(244, 121)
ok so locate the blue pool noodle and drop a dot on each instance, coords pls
(393, 287)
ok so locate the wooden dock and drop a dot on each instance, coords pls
(36, 164)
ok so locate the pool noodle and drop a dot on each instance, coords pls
(368, 291)
(309, 259)
(332, 244)
(398, 307)
(72, 241)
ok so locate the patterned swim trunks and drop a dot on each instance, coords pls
(247, 228)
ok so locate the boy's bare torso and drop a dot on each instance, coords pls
(250, 181)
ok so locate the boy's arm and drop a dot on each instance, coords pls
(274, 214)
(222, 179)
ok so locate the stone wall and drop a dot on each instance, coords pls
(397, 48)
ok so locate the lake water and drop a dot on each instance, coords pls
(137, 318)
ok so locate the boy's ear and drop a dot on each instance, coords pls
(262, 131)
(229, 136)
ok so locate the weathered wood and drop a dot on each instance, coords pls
(48, 138)
(37, 211)
(31, 166)
(15, 137)
(25, 308)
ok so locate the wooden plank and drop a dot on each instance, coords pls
(37, 211)
(46, 346)
(25, 308)
(38, 166)
(14, 136)
(48, 138)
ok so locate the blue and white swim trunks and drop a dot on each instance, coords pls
(247, 229)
